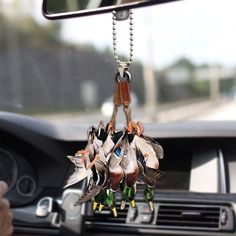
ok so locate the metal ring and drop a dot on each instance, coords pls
(127, 76)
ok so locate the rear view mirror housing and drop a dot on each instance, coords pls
(54, 9)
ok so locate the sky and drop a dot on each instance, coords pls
(201, 30)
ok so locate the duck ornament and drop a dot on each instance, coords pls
(116, 160)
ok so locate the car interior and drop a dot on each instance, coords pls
(57, 79)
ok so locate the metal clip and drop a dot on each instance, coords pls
(122, 15)
(122, 67)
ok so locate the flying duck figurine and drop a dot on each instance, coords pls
(84, 160)
(96, 183)
(98, 168)
(81, 160)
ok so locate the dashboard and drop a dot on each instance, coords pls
(196, 197)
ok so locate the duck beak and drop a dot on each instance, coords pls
(100, 207)
(114, 211)
(151, 206)
(122, 205)
(132, 204)
(70, 158)
(95, 205)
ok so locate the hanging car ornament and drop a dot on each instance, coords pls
(116, 160)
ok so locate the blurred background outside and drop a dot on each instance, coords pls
(184, 63)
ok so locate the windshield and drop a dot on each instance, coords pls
(184, 64)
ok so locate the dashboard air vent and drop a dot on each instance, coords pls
(199, 217)
(107, 217)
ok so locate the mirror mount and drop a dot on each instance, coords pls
(64, 12)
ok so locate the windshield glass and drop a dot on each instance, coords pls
(184, 64)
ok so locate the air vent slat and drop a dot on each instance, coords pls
(179, 209)
(201, 210)
(187, 216)
(106, 215)
(188, 222)
(163, 216)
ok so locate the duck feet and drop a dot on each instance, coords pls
(137, 128)
(111, 127)
(100, 207)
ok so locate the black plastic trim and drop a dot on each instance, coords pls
(57, 16)
(35, 231)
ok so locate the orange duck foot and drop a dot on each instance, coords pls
(111, 127)
(82, 152)
(137, 128)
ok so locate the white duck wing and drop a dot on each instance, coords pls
(156, 146)
(144, 146)
(148, 152)
(78, 175)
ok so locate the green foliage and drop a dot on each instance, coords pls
(56, 6)
(227, 85)
(183, 62)
(189, 89)
(200, 88)
(65, 5)
(28, 32)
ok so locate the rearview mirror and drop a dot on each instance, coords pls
(60, 9)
